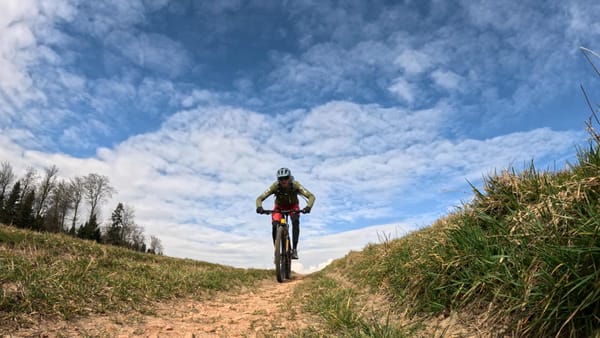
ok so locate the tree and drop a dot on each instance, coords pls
(123, 231)
(6, 177)
(90, 230)
(96, 189)
(10, 207)
(46, 186)
(133, 234)
(135, 238)
(155, 246)
(28, 182)
(24, 217)
(76, 192)
(59, 204)
(114, 233)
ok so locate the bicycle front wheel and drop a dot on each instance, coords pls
(279, 259)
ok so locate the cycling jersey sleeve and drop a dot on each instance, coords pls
(270, 191)
(304, 192)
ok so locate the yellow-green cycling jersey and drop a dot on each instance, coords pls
(286, 197)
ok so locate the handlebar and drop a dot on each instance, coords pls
(284, 212)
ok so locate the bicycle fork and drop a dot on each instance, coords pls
(286, 238)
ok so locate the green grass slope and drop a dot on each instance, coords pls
(57, 276)
(524, 255)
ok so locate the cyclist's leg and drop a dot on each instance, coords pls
(274, 231)
(275, 219)
(295, 227)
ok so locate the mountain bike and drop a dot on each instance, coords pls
(283, 247)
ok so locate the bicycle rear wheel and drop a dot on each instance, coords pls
(279, 260)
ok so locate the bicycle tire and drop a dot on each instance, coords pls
(288, 258)
(279, 261)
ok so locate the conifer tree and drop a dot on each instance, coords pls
(90, 230)
(114, 232)
(10, 207)
(24, 215)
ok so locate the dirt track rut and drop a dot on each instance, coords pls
(262, 311)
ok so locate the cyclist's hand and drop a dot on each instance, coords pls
(260, 210)
(306, 210)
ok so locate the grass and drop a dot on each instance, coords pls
(345, 311)
(524, 255)
(57, 276)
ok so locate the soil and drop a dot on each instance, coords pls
(264, 311)
(267, 310)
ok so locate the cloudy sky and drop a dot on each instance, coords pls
(385, 110)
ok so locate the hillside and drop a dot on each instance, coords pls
(53, 277)
(520, 259)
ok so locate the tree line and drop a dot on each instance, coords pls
(50, 204)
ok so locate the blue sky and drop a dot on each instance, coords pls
(384, 110)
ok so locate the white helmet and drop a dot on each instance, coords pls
(283, 173)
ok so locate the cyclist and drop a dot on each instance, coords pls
(286, 191)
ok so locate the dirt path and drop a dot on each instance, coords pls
(263, 311)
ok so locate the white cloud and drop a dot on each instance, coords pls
(155, 5)
(26, 28)
(403, 89)
(327, 69)
(513, 16)
(155, 52)
(582, 19)
(222, 6)
(100, 18)
(413, 61)
(447, 79)
(198, 97)
(17, 50)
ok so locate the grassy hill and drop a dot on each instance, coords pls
(58, 276)
(521, 259)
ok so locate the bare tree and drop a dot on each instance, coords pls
(128, 216)
(64, 202)
(6, 177)
(133, 234)
(60, 202)
(155, 246)
(76, 192)
(96, 189)
(28, 182)
(45, 188)
(136, 238)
